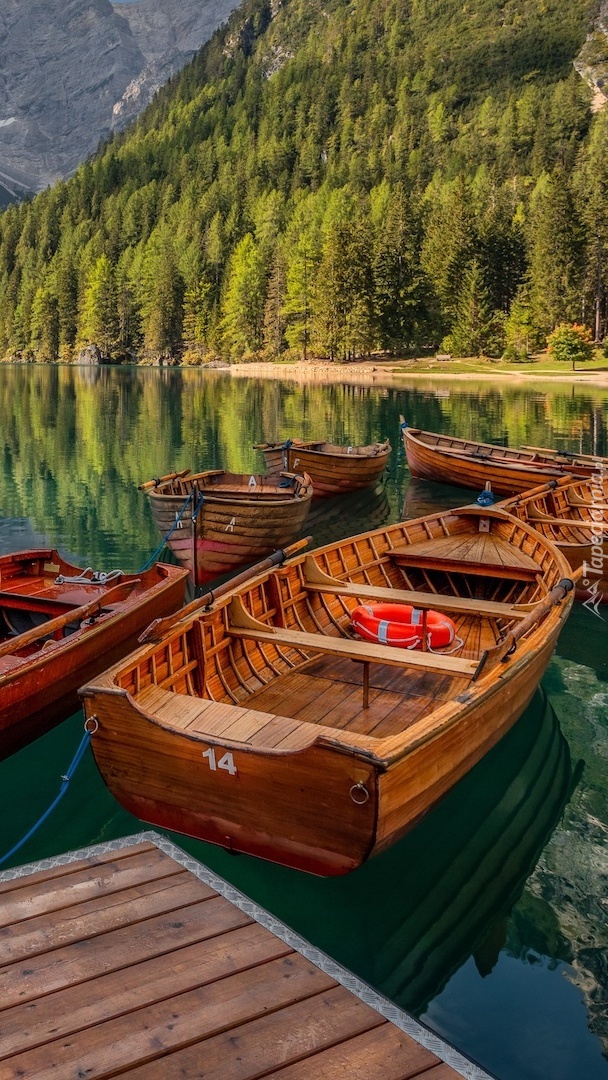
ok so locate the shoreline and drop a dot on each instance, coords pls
(376, 373)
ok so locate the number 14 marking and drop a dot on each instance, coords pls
(226, 762)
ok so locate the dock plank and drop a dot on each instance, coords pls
(91, 882)
(271, 1041)
(382, 1051)
(197, 1014)
(84, 1005)
(160, 969)
(115, 951)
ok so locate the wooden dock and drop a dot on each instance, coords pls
(132, 958)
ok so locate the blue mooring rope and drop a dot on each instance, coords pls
(65, 783)
(178, 518)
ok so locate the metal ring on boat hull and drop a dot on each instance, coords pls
(362, 791)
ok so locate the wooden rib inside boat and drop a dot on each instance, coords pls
(467, 463)
(59, 626)
(222, 520)
(263, 724)
(573, 514)
(334, 470)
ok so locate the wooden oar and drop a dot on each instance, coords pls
(508, 645)
(159, 627)
(161, 479)
(569, 454)
(76, 614)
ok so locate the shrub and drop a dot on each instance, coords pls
(571, 342)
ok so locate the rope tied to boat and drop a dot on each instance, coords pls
(485, 498)
(97, 577)
(199, 505)
(176, 523)
(65, 783)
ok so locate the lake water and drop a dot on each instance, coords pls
(489, 921)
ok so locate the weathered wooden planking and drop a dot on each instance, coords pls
(212, 985)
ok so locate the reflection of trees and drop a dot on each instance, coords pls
(566, 416)
(76, 442)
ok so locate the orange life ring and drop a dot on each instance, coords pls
(402, 625)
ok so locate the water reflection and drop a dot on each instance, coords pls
(469, 893)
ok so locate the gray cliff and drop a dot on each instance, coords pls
(74, 70)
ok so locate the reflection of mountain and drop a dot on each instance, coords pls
(408, 919)
(343, 515)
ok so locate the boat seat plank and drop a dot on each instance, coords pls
(487, 554)
(358, 650)
(446, 547)
(218, 719)
(459, 604)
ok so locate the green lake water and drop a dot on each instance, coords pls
(488, 921)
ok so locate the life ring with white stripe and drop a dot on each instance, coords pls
(402, 625)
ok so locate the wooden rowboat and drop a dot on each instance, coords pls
(60, 626)
(573, 514)
(466, 463)
(334, 470)
(259, 722)
(226, 520)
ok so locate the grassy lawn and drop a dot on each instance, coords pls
(539, 365)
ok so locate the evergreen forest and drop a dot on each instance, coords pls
(332, 178)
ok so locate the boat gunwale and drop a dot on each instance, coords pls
(503, 457)
(387, 750)
(301, 492)
(334, 450)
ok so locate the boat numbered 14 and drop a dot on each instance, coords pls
(261, 721)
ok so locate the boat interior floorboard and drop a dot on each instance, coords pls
(326, 691)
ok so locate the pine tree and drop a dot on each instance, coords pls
(342, 297)
(274, 317)
(449, 241)
(99, 317)
(591, 188)
(243, 303)
(400, 289)
(44, 325)
(297, 307)
(472, 331)
(556, 259)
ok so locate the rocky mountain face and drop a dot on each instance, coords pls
(74, 70)
(592, 62)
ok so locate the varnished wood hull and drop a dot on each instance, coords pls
(334, 470)
(40, 688)
(464, 463)
(573, 514)
(297, 810)
(232, 528)
(233, 730)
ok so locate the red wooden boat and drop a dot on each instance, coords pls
(466, 463)
(227, 520)
(334, 470)
(60, 626)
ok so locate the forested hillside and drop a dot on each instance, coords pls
(332, 178)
